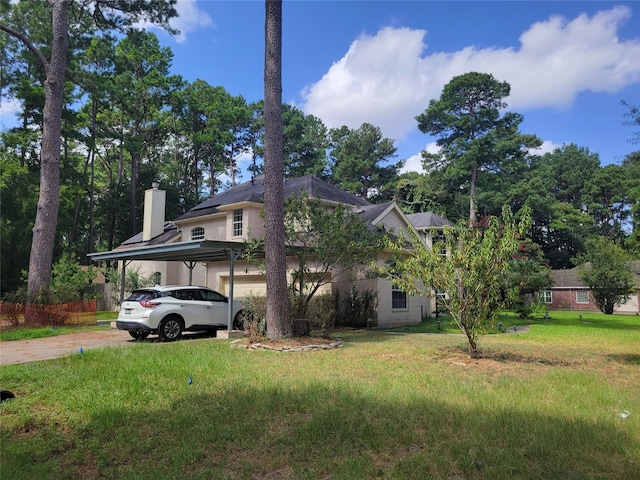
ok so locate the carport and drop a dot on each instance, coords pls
(189, 253)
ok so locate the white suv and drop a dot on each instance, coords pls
(171, 310)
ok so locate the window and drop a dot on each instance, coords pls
(211, 296)
(197, 233)
(156, 278)
(582, 296)
(237, 222)
(546, 296)
(398, 298)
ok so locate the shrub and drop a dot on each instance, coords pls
(323, 312)
(68, 280)
(359, 307)
(255, 317)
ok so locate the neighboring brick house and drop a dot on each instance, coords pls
(569, 293)
(235, 215)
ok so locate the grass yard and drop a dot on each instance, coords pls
(541, 404)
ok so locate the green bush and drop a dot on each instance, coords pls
(358, 308)
(255, 317)
(323, 312)
(68, 280)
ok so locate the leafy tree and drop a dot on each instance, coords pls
(470, 274)
(17, 183)
(142, 89)
(555, 189)
(327, 242)
(632, 120)
(472, 135)
(305, 144)
(416, 192)
(69, 280)
(526, 276)
(631, 165)
(605, 268)
(256, 134)
(53, 61)
(357, 157)
(608, 200)
(278, 321)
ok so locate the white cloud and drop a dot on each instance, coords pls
(386, 80)
(8, 109)
(414, 162)
(547, 147)
(190, 18)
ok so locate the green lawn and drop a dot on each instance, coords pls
(539, 405)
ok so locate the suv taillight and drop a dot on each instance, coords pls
(149, 303)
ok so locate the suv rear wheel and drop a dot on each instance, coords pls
(170, 329)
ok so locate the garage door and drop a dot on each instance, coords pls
(245, 285)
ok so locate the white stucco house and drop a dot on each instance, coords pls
(223, 223)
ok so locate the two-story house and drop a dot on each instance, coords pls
(202, 246)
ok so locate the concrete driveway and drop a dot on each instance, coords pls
(22, 351)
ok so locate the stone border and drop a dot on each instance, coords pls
(337, 343)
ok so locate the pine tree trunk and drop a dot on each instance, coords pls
(44, 230)
(472, 197)
(278, 323)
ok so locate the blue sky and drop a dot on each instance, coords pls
(348, 62)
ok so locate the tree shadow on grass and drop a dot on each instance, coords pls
(186, 336)
(608, 323)
(628, 358)
(323, 431)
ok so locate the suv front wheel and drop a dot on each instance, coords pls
(170, 329)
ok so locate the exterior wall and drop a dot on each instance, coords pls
(393, 222)
(215, 227)
(632, 307)
(386, 316)
(220, 225)
(565, 299)
(417, 308)
(218, 276)
(254, 223)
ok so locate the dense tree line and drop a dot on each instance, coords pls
(128, 121)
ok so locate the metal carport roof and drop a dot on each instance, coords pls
(187, 252)
(193, 251)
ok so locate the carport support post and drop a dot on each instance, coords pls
(122, 278)
(233, 255)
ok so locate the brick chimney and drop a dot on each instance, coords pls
(154, 204)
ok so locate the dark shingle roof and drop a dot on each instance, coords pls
(170, 231)
(373, 211)
(569, 278)
(566, 278)
(428, 220)
(253, 191)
